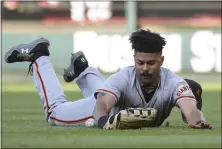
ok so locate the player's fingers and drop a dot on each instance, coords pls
(195, 126)
(206, 125)
(210, 127)
(201, 126)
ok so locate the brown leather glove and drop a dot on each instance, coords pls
(132, 118)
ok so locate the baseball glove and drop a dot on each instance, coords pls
(132, 118)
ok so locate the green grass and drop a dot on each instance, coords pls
(73, 87)
(24, 126)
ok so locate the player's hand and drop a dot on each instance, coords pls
(109, 122)
(201, 125)
(112, 122)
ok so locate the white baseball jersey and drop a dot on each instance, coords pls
(126, 90)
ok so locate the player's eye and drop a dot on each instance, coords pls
(151, 62)
(140, 63)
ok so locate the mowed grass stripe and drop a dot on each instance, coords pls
(120, 141)
(74, 87)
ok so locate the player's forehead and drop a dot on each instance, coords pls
(140, 56)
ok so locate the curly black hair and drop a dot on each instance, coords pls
(146, 41)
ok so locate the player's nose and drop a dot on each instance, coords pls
(145, 67)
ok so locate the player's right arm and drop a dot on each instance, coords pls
(104, 104)
(107, 97)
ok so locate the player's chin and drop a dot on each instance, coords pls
(146, 80)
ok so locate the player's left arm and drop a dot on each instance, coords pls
(186, 101)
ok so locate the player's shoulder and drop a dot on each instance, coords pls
(170, 79)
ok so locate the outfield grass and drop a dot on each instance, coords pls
(23, 126)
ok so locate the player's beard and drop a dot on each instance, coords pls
(146, 79)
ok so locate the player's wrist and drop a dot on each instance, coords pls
(102, 121)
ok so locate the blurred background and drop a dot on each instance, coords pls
(101, 31)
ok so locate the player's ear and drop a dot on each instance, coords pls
(162, 59)
(134, 57)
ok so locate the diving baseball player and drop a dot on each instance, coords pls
(58, 110)
(147, 90)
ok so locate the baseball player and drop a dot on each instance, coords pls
(58, 110)
(145, 92)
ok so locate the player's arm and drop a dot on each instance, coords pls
(107, 96)
(187, 103)
(104, 104)
(194, 116)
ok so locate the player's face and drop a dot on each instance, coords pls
(148, 67)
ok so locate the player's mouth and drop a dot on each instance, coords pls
(146, 76)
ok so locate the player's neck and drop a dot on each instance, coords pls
(149, 88)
